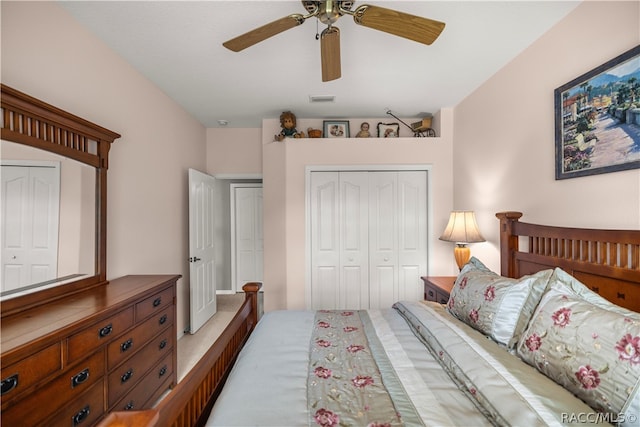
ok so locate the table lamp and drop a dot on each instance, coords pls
(462, 229)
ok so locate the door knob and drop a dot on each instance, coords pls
(194, 259)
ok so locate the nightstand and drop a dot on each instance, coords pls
(438, 288)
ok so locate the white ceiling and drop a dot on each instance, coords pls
(178, 46)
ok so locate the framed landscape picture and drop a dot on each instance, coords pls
(597, 119)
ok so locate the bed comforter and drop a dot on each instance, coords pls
(413, 364)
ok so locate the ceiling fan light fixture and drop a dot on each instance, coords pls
(411, 27)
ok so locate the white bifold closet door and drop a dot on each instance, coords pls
(368, 238)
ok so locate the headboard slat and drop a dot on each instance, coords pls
(607, 261)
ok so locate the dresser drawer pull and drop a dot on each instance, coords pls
(129, 406)
(9, 384)
(163, 344)
(157, 301)
(81, 415)
(431, 294)
(105, 331)
(126, 345)
(78, 379)
(162, 371)
(126, 376)
(163, 319)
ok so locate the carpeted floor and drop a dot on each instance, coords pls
(192, 347)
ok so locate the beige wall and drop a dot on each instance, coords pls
(504, 133)
(234, 151)
(47, 54)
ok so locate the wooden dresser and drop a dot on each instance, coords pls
(109, 348)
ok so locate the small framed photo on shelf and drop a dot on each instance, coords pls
(388, 130)
(336, 128)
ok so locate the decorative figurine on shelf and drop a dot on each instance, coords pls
(364, 131)
(314, 133)
(288, 125)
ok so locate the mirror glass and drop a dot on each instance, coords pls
(48, 220)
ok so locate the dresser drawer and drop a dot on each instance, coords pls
(37, 406)
(123, 378)
(99, 333)
(441, 297)
(129, 343)
(154, 304)
(143, 395)
(83, 411)
(25, 373)
(430, 294)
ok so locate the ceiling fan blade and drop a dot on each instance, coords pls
(262, 33)
(416, 28)
(330, 54)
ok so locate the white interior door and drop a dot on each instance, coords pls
(325, 238)
(247, 239)
(30, 212)
(202, 284)
(339, 240)
(398, 236)
(383, 246)
(412, 234)
(368, 235)
(354, 240)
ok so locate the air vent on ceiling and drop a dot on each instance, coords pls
(321, 98)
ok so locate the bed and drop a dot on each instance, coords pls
(552, 339)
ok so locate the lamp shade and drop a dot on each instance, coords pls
(462, 228)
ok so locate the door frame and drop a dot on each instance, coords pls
(357, 168)
(231, 177)
(232, 205)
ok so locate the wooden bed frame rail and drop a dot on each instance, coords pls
(190, 402)
(607, 261)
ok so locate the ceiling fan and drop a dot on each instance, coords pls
(400, 24)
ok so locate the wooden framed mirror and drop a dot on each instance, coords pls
(27, 121)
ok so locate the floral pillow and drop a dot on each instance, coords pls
(497, 306)
(588, 345)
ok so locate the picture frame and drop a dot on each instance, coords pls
(597, 119)
(388, 130)
(335, 128)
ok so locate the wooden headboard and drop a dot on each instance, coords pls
(607, 261)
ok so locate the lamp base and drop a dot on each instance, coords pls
(462, 253)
